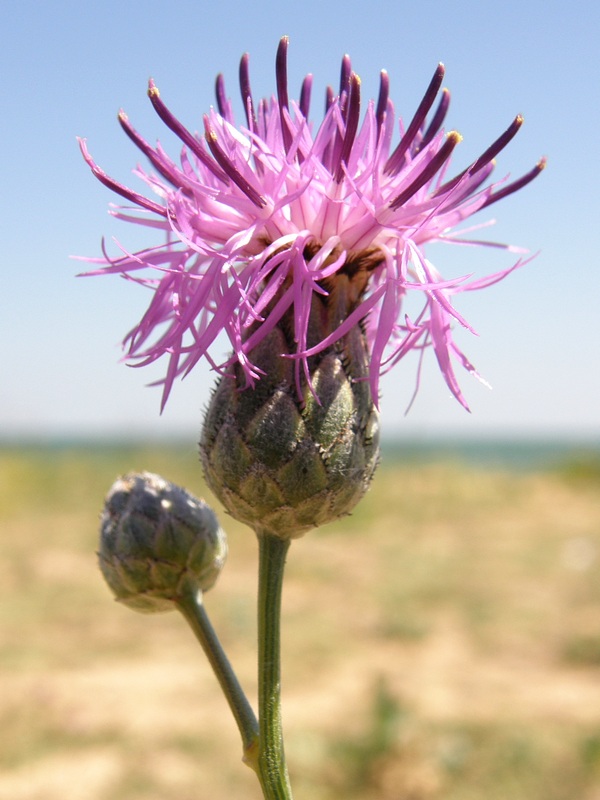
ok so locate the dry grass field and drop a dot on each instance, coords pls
(442, 643)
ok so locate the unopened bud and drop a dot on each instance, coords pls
(155, 538)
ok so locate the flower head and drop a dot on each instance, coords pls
(261, 219)
(156, 539)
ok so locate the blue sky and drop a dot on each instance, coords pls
(68, 67)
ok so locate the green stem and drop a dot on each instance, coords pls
(189, 602)
(272, 770)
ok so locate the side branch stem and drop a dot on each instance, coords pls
(191, 606)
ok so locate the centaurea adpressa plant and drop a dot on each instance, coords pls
(301, 243)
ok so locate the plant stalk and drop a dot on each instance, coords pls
(189, 602)
(272, 769)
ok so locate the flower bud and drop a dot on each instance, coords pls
(284, 463)
(155, 537)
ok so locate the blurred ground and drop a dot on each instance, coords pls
(442, 643)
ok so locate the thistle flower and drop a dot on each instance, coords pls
(264, 220)
(301, 244)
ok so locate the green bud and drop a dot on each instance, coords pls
(154, 538)
(284, 464)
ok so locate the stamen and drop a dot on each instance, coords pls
(263, 113)
(329, 149)
(228, 166)
(437, 121)
(148, 151)
(179, 130)
(468, 190)
(396, 160)
(329, 98)
(118, 188)
(486, 157)
(351, 125)
(221, 96)
(305, 93)
(281, 72)
(430, 170)
(382, 100)
(247, 92)
(344, 92)
(498, 145)
(518, 184)
(282, 89)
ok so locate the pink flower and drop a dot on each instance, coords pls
(256, 219)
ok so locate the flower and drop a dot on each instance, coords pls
(260, 219)
(156, 539)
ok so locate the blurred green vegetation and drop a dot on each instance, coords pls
(441, 643)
